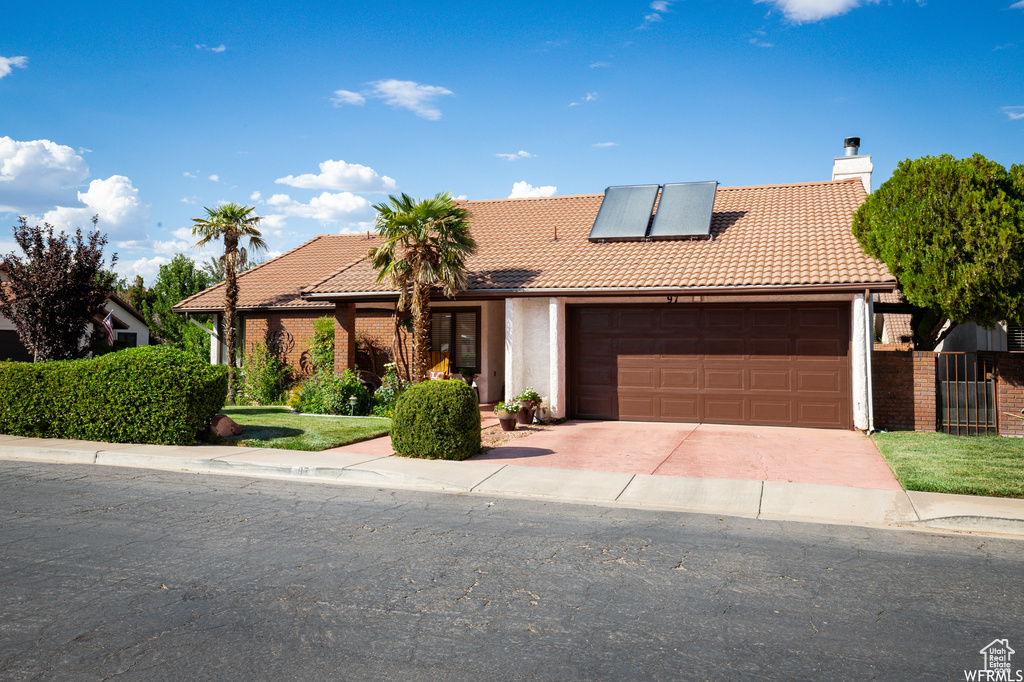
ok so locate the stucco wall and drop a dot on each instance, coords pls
(527, 346)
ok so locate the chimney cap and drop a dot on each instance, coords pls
(851, 142)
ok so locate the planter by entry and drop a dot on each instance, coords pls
(525, 415)
(507, 423)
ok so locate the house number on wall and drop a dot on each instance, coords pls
(673, 299)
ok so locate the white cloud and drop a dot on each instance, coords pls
(114, 200)
(190, 175)
(758, 42)
(600, 65)
(214, 178)
(218, 48)
(147, 267)
(38, 175)
(1015, 113)
(171, 247)
(1004, 46)
(343, 207)
(342, 176)
(804, 11)
(659, 7)
(7, 62)
(605, 144)
(347, 97)
(184, 233)
(589, 97)
(462, 197)
(517, 155)
(410, 95)
(1017, 5)
(255, 196)
(524, 190)
(274, 221)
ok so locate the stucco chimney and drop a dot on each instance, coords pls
(853, 164)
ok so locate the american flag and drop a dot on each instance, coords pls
(108, 326)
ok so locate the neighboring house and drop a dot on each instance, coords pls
(129, 326)
(765, 322)
(893, 329)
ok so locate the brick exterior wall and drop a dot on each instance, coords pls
(291, 332)
(344, 337)
(1010, 392)
(904, 389)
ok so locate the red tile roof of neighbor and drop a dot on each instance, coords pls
(773, 235)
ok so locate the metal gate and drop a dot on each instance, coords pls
(967, 394)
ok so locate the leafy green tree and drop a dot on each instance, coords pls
(233, 224)
(175, 282)
(56, 290)
(426, 244)
(214, 268)
(136, 293)
(952, 233)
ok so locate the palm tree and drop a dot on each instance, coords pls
(232, 223)
(426, 244)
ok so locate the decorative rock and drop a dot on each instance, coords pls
(223, 426)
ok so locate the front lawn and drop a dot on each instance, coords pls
(279, 427)
(965, 465)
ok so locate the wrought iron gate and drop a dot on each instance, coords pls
(967, 393)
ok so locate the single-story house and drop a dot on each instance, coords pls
(129, 327)
(763, 319)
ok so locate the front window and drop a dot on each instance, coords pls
(455, 333)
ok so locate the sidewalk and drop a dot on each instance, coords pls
(727, 497)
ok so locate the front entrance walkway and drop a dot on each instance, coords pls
(760, 453)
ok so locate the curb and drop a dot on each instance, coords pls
(767, 500)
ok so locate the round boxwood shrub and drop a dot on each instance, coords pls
(437, 420)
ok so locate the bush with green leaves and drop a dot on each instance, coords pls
(321, 350)
(391, 388)
(263, 375)
(326, 393)
(437, 420)
(150, 394)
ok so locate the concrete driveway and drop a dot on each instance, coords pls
(760, 453)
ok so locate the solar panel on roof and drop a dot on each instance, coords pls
(625, 213)
(684, 210)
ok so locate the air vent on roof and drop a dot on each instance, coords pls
(684, 210)
(625, 213)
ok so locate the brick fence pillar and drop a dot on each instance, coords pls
(344, 337)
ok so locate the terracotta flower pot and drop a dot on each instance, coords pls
(525, 415)
(507, 423)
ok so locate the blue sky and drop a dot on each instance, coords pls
(146, 112)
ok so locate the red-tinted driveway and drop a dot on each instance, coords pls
(762, 453)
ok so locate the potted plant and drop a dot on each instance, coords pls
(507, 413)
(528, 400)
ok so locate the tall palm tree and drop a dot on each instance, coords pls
(426, 244)
(232, 223)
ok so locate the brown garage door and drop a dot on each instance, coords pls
(785, 365)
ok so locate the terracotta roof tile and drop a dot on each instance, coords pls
(768, 235)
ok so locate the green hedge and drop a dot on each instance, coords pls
(150, 394)
(437, 420)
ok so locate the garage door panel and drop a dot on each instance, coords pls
(724, 409)
(771, 319)
(818, 347)
(818, 381)
(771, 412)
(679, 378)
(725, 363)
(770, 380)
(723, 378)
(679, 409)
(637, 378)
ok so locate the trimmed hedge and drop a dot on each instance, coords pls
(150, 394)
(437, 420)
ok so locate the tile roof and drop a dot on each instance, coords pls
(773, 235)
(277, 282)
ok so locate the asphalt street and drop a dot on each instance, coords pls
(108, 572)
